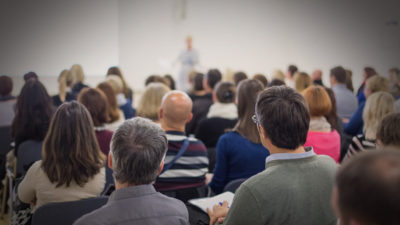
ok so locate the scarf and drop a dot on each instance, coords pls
(223, 110)
(320, 124)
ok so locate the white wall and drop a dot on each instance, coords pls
(144, 36)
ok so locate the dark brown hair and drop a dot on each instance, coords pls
(155, 79)
(70, 150)
(114, 70)
(389, 130)
(283, 114)
(96, 103)
(113, 109)
(225, 92)
(339, 73)
(6, 85)
(170, 80)
(332, 116)
(198, 82)
(261, 78)
(239, 76)
(276, 82)
(247, 92)
(370, 72)
(213, 76)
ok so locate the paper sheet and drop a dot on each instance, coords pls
(209, 202)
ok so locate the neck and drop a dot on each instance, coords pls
(169, 127)
(275, 150)
(123, 185)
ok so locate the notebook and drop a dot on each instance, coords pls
(209, 202)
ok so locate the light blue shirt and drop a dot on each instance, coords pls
(284, 156)
(346, 102)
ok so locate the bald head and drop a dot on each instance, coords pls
(316, 75)
(175, 110)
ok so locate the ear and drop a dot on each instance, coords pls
(190, 117)
(109, 160)
(161, 167)
(160, 113)
(263, 134)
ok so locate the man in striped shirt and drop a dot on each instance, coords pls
(188, 171)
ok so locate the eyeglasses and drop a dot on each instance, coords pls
(255, 120)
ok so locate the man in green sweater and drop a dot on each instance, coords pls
(296, 186)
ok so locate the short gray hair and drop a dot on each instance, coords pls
(137, 149)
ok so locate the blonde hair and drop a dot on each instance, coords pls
(378, 105)
(301, 81)
(377, 83)
(65, 79)
(278, 74)
(116, 83)
(151, 100)
(77, 73)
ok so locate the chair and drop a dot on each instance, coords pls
(211, 153)
(65, 213)
(28, 152)
(234, 184)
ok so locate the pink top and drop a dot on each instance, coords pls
(325, 143)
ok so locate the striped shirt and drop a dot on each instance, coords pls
(359, 144)
(189, 170)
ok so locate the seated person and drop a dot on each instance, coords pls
(124, 103)
(136, 158)
(240, 153)
(188, 171)
(65, 83)
(221, 116)
(151, 100)
(72, 168)
(7, 101)
(296, 186)
(352, 198)
(388, 134)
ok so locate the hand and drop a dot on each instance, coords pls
(218, 213)
(209, 177)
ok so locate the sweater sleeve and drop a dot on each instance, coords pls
(356, 122)
(221, 167)
(26, 189)
(245, 209)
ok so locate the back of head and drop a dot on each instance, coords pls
(176, 107)
(367, 189)
(151, 100)
(34, 109)
(261, 78)
(198, 82)
(30, 76)
(213, 77)
(283, 114)
(137, 149)
(70, 150)
(65, 79)
(339, 73)
(114, 70)
(349, 80)
(225, 92)
(302, 81)
(332, 116)
(113, 109)
(279, 75)
(96, 103)
(292, 69)
(77, 73)
(378, 105)
(388, 132)
(6, 85)
(239, 76)
(318, 101)
(377, 83)
(116, 83)
(276, 82)
(369, 72)
(155, 79)
(171, 81)
(246, 96)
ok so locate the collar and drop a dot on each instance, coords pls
(309, 152)
(172, 132)
(132, 192)
(339, 86)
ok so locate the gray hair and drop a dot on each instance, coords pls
(137, 148)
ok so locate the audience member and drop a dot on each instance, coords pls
(114, 112)
(65, 83)
(239, 76)
(282, 193)
(346, 102)
(332, 116)
(96, 103)
(126, 90)
(367, 189)
(316, 77)
(202, 105)
(197, 89)
(276, 82)
(378, 105)
(289, 79)
(394, 75)
(137, 151)
(7, 101)
(374, 84)
(321, 136)
(184, 172)
(240, 153)
(155, 79)
(78, 75)
(170, 80)
(388, 134)
(33, 113)
(72, 168)
(279, 75)
(124, 103)
(349, 80)
(151, 100)
(260, 77)
(301, 81)
(368, 72)
(221, 116)
(30, 75)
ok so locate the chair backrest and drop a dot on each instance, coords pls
(211, 153)
(5, 140)
(66, 213)
(28, 152)
(234, 184)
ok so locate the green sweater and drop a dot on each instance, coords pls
(292, 191)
